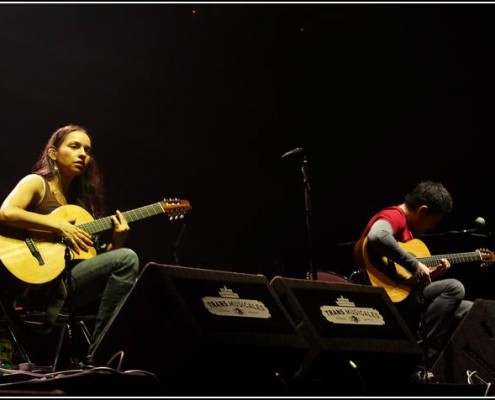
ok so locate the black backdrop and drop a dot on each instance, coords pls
(199, 101)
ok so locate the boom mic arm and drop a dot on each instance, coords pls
(293, 151)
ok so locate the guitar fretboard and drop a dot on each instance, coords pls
(458, 258)
(105, 223)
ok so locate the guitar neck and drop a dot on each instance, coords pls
(105, 223)
(458, 258)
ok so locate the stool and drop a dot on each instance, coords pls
(39, 348)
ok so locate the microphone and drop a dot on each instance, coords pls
(480, 222)
(480, 230)
(293, 151)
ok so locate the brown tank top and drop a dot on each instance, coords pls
(48, 203)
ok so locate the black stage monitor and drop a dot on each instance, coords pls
(203, 328)
(355, 330)
(469, 356)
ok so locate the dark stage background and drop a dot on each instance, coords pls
(199, 101)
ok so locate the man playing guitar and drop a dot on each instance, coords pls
(432, 307)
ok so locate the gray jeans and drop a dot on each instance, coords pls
(443, 308)
(107, 277)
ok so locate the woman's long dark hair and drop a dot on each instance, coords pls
(86, 190)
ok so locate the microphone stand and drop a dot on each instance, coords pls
(308, 209)
(176, 244)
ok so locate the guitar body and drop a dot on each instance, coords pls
(17, 257)
(398, 281)
(37, 257)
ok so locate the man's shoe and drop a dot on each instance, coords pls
(86, 362)
(423, 376)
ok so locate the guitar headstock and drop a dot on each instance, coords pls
(175, 208)
(487, 257)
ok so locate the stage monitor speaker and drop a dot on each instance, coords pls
(203, 328)
(359, 340)
(469, 356)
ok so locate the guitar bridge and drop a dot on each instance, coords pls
(34, 251)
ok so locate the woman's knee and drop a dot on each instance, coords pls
(129, 259)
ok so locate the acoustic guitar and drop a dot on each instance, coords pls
(397, 281)
(36, 257)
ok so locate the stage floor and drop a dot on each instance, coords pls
(103, 381)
